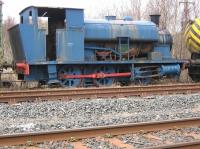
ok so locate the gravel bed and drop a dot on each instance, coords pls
(195, 130)
(141, 140)
(138, 140)
(45, 145)
(99, 144)
(173, 136)
(91, 143)
(55, 115)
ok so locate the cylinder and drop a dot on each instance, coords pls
(170, 69)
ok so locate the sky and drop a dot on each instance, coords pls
(13, 7)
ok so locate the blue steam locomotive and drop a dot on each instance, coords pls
(75, 52)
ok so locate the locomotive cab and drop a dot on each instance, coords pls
(44, 44)
(55, 20)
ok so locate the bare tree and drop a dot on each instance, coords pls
(117, 10)
(8, 23)
(168, 9)
(114, 10)
(171, 17)
(125, 8)
(196, 8)
(135, 9)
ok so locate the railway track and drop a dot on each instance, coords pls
(80, 93)
(100, 133)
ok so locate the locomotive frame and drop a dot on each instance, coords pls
(78, 52)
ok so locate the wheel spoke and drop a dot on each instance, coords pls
(104, 81)
(146, 80)
(70, 71)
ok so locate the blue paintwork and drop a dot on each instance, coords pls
(25, 15)
(68, 70)
(79, 39)
(30, 45)
(16, 44)
(70, 41)
(37, 72)
(112, 29)
(128, 18)
(169, 61)
(52, 73)
(139, 76)
(75, 18)
(170, 69)
(67, 48)
(104, 81)
(33, 42)
(164, 50)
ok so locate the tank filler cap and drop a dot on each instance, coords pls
(128, 18)
(110, 18)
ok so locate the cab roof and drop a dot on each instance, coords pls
(40, 8)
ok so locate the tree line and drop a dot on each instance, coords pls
(171, 11)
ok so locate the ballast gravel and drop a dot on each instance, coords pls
(138, 140)
(58, 115)
(93, 143)
(45, 145)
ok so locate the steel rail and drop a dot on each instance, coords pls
(182, 145)
(67, 94)
(2, 93)
(107, 90)
(32, 138)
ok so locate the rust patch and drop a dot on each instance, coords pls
(196, 109)
(194, 135)
(119, 143)
(157, 139)
(115, 142)
(32, 147)
(154, 138)
(79, 145)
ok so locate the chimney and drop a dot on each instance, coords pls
(110, 18)
(155, 18)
